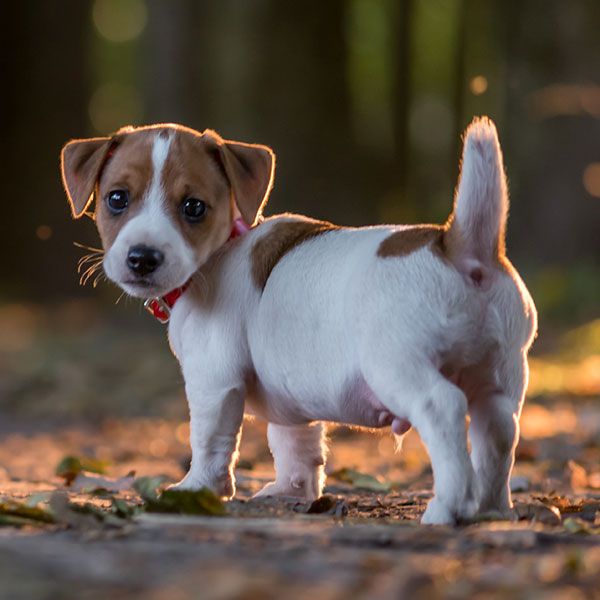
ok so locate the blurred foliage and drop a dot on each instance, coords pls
(566, 294)
(363, 101)
(574, 367)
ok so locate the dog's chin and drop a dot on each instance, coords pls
(146, 288)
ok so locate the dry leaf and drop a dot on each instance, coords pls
(19, 513)
(185, 502)
(86, 483)
(71, 466)
(538, 512)
(361, 480)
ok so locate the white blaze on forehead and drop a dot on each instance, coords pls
(153, 226)
(160, 151)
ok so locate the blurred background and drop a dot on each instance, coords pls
(364, 102)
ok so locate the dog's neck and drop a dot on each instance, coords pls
(161, 306)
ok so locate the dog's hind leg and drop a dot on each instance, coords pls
(437, 409)
(494, 409)
(299, 454)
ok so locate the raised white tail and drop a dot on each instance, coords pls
(477, 225)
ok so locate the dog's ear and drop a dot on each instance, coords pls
(250, 169)
(80, 163)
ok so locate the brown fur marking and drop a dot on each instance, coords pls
(191, 172)
(405, 241)
(130, 168)
(81, 162)
(283, 237)
(188, 172)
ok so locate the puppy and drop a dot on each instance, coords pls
(302, 322)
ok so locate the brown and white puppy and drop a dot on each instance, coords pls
(303, 322)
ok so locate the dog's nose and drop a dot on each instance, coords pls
(143, 259)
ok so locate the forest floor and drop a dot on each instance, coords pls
(76, 386)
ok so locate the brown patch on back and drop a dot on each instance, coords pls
(406, 241)
(282, 237)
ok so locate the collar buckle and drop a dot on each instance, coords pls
(159, 309)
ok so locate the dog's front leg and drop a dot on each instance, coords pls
(215, 427)
(299, 454)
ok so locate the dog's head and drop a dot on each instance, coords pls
(166, 197)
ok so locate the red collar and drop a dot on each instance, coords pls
(161, 306)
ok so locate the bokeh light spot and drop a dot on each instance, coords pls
(591, 179)
(478, 85)
(43, 232)
(182, 433)
(158, 448)
(114, 105)
(119, 20)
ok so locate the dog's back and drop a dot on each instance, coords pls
(336, 298)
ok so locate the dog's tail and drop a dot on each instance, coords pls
(478, 223)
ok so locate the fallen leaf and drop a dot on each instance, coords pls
(86, 483)
(85, 516)
(122, 509)
(200, 502)
(538, 512)
(63, 512)
(563, 503)
(71, 466)
(147, 487)
(14, 521)
(361, 480)
(13, 512)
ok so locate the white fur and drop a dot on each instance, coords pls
(152, 227)
(342, 334)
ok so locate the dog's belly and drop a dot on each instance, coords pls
(355, 405)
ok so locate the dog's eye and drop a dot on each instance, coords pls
(193, 210)
(117, 201)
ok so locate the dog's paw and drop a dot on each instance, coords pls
(303, 488)
(224, 488)
(438, 513)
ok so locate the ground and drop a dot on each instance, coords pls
(75, 384)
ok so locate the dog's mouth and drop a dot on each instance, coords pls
(143, 287)
(147, 287)
(142, 282)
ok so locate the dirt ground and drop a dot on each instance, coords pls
(75, 385)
